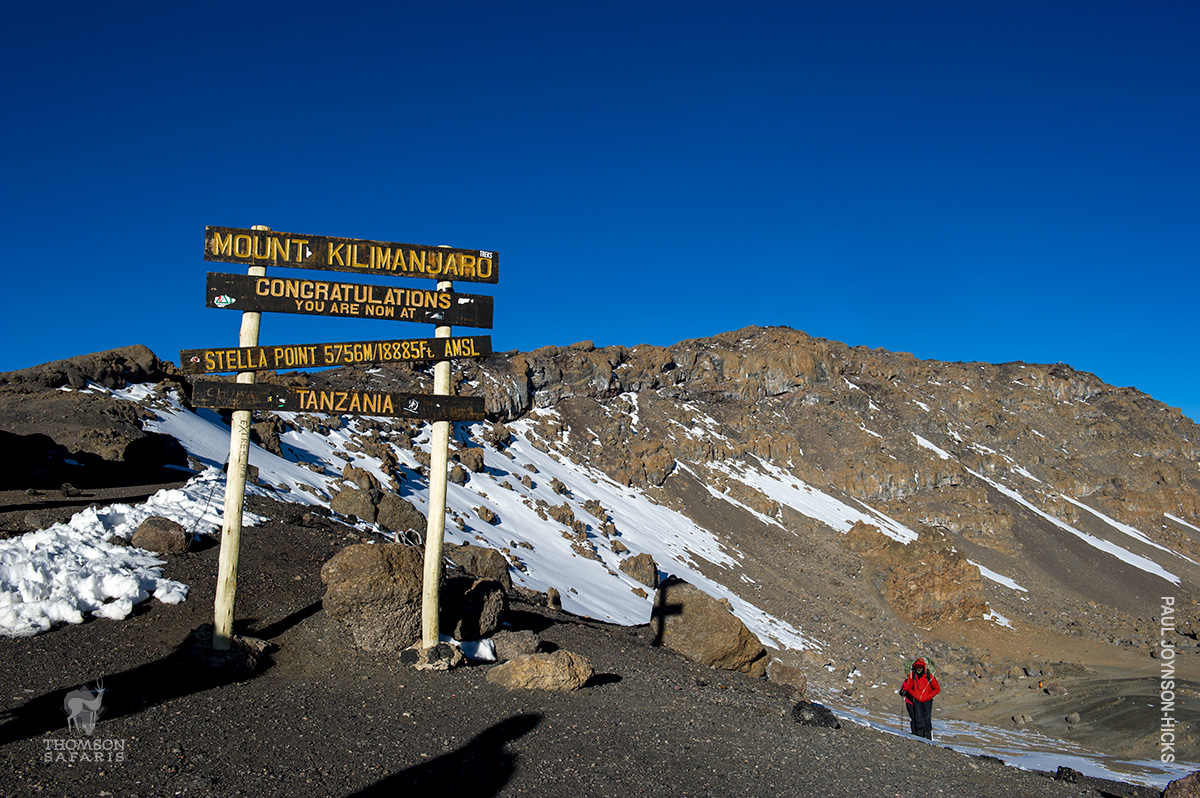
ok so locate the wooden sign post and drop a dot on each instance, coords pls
(235, 489)
(255, 293)
(435, 533)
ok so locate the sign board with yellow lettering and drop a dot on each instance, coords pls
(300, 356)
(298, 251)
(356, 300)
(251, 396)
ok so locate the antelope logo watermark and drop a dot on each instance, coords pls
(83, 708)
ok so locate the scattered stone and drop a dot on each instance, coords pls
(553, 599)
(441, 657)
(510, 644)
(161, 535)
(458, 474)
(642, 568)
(244, 657)
(688, 620)
(618, 547)
(1072, 719)
(1067, 774)
(560, 671)
(1054, 688)
(376, 591)
(807, 713)
(640, 592)
(487, 516)
(68, 489)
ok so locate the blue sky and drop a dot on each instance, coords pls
(963, 181)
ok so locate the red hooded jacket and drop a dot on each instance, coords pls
(920, 688)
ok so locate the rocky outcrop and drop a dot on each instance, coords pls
(642, 568)
(115, 368)
(365, 498)
(926, 581)
(693, 623)
(1186, 787)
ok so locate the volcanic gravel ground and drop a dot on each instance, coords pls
(326, 719)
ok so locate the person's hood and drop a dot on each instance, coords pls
(919, 663)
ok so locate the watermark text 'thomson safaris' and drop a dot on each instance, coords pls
(265, 248)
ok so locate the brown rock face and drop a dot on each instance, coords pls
(688, 620)
(376, 591)
(560, 671)
(928, 582)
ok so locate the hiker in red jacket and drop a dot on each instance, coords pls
(918, 690)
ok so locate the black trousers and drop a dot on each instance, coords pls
(920, 718)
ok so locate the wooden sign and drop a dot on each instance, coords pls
(300, 356)
(356, 300)
(249, 396)
(266, 248)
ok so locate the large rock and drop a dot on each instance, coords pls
(688, 620)
(481, 562)
(642, 568)
(560, 670)
(376, 591)
(470, 609)
(355, 502)
(399, 515)
(161, 535)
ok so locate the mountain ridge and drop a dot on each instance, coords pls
(1006, 518)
